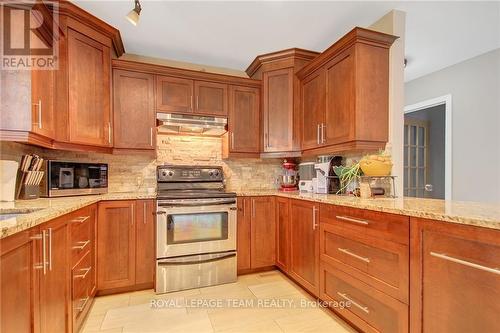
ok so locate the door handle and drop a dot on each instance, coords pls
(43, 265)
(323, 127)
(317, 134)
(151, 136)
(49, 235)
(314, 224)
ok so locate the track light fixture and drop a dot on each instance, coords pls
(133, 15)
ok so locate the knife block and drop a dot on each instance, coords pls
(26, 191)
(29, 192)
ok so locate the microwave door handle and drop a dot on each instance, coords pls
(211, 258)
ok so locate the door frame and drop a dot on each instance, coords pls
(445, 100)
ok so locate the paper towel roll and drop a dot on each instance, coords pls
(8, 174)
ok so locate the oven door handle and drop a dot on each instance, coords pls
(201, 259)
(196, 203)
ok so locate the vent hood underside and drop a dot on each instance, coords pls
(170, 123)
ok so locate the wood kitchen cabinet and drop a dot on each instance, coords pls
(243, 242)
(42, 102)
(181, 95)
(116, 244)
(345, 95)
(68, 107)
(283, 233)
(280, 99)
(263, 232)
(126, 245)
(210, 98)
(134, 115)
(145, 242)
(455, 277)
(256, 233)
(313, 95)
(304, 248)
(89, 83)
(174, 94)
(19, 282)
(243, 137)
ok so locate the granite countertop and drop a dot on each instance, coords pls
(24, 214)
(35, 212)
(471, 213)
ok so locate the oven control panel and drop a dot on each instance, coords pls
(189, 174)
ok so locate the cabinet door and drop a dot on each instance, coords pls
(174, 94)
(313, 109)
(19, 282)
(42, 102)
(211, 98)
(145, 242)
(282, 233)
(243, 230)
(304, 253)
(89, 65)
(244, 120)
(458, 278)
(278, 110)
(263, 232)
(134, 114)
(340, 98)
(116, 244)
(55, 283)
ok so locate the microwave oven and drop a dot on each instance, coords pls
(63, 178)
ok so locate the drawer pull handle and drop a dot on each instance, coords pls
(353, 220)
(80, 219)
(354, 255)
(359, 306)
(84, 275)
(82, 245)
(84, 303)
(465, 263)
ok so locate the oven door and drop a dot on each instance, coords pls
(186, 227)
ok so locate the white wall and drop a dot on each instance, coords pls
(394, 23)
(475, 89)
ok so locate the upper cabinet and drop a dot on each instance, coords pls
(68, 107)
(280, 99)
(133, 103)
(89, 97)
(345, 95)
(243, 137)
(174, 94)
(179, 95)
(210, 98)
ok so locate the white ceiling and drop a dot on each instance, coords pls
(231, 34)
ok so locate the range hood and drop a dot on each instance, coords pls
(170, 123)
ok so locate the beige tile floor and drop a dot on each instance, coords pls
(274, 304)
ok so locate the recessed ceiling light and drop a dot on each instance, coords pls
(133, 15)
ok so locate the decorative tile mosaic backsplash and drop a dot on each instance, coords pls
(137, 172)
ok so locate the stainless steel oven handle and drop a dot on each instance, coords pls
(201, 259)
(179, 203)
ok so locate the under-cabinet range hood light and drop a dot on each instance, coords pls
(170, 123)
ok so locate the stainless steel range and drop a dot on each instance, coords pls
(196, 228)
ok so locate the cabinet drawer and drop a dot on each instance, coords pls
(81, 275)
(384, 265)
(368, 223)
(81, 238)
(367, 308)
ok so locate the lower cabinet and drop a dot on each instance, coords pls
(19, 281)
(283, 233)
(125, 245)
(304, 240)
(455, 285)
(256, 233)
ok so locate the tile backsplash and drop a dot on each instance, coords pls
(137, 172)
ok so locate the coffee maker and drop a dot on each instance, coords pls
(325, 181)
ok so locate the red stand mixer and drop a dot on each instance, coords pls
(288, 180)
